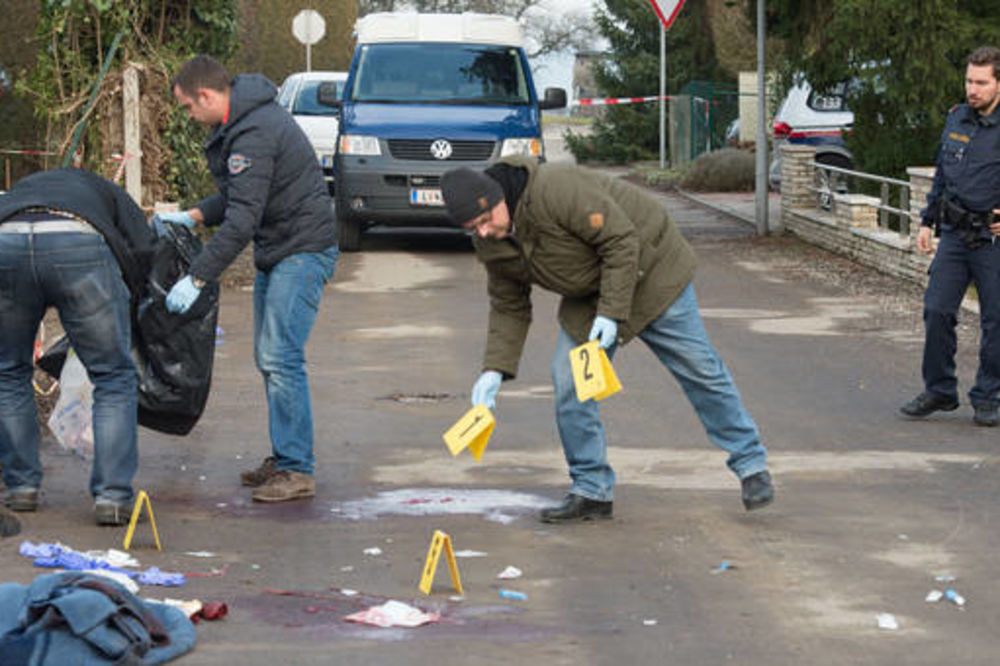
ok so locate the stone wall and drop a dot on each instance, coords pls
(851, 227)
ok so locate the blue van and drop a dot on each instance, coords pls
(427, 93)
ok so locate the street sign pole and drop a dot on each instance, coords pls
(663, 93)
(308, 27)
(760, 187)
(666, 11)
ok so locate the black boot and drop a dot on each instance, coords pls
(928, 403)
(986, 415)
(576, 507)
(757, 490)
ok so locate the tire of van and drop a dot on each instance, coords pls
(349, 229)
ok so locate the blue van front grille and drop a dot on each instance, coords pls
(461, 151)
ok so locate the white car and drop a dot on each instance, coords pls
(299, 95)
(812, 118)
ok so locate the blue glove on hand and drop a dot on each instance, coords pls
(484, 391)
(175, 217)
(605, 330)
(182, 295)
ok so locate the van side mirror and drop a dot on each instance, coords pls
(555, 98)
(327, 94)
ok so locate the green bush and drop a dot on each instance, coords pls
(726, 170)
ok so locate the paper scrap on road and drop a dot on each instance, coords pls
(394, 614)
(509, 573)
(887, 621)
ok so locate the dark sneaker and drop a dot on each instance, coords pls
(257, 477)
(757, 490)
(112, 512)
(576, 507)
(9, 523)
(928, 403)
(986, 415)
(285, 485)
(22, 499)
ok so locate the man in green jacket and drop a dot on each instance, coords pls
(624, 271)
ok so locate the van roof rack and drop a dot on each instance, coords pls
(468, 27)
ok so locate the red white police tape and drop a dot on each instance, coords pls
(601, 101)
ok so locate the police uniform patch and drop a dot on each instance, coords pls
(238, 163)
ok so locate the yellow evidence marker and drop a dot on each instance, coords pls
(593, 374)
(439, 542)
(473, 430)
(140, 499)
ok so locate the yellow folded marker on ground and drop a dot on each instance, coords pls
(472, 431)
(592, 372)
(441, 541)
(141, 499)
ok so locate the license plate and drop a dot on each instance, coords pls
(326, 161)
(426, 197)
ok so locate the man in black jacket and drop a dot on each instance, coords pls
(271, 191)
(73, 241)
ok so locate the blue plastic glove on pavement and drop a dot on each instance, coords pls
(174, 217)
(182, 295)
(605, 330)
(484, 391)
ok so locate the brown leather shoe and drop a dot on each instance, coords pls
(259, 475)
(285, 485)
(9, 523)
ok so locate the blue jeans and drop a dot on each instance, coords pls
(78, 275)
(285, 302)
(953, 268)
(678, 338)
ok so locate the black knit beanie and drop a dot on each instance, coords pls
(468, 194)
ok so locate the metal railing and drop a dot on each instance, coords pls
(832, 180)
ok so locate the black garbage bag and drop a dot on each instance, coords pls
(173, 353)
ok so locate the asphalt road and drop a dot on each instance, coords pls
(870, 508)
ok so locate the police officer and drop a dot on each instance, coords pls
(624, 271)
(963, 207)
(271, 191)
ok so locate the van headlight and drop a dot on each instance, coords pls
(529, 147)
(357, 144)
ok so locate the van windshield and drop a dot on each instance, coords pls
(435, 73)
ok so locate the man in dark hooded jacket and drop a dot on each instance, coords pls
(271, 191)
(74, 241)
(624, 271)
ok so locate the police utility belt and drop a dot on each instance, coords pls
(960, 217)
(46, 220)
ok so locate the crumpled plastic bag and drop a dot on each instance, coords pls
(71, 420)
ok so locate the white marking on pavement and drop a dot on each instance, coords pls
(672, 468)
(403, 331)
(392, 271)
(501, 506)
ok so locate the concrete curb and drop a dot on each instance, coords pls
(720, 208)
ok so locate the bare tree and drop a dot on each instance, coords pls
(545, 31)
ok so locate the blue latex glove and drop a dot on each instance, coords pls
(484, 391)
(175, 217)
(182, 295)
(605, 330)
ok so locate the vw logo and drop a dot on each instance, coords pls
(441, 149)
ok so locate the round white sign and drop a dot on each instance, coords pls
(308, 26)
